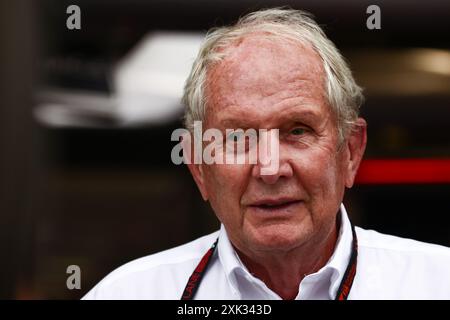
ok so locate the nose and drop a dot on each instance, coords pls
(270, 165)
(284, 170)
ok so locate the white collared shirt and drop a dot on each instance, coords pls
(388, 267)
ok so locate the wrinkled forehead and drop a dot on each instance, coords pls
(259, 70)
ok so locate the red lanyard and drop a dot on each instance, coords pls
(342, 293)
(196, 276)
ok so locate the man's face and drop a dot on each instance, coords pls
(275, 84)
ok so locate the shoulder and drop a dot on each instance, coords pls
(370, 239)
(401, 268)
(158, 276)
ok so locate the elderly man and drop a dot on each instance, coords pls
(284, 234)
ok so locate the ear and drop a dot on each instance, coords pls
(355, 147)
(199, 178)
(195, 169)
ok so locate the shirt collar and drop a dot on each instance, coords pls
(331, 274)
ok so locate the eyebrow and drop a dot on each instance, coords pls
(244, 121)
(300, 115)
(236, 123)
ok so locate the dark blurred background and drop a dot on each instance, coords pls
(86, 180)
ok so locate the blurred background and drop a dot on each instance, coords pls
(86, 118)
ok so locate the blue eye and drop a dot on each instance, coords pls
(298, 131)
(235, 136)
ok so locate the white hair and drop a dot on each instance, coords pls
(343, 94)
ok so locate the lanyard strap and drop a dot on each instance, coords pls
(350, 272)
(342, 293)
(196, 276)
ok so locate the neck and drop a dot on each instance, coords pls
(282, 272)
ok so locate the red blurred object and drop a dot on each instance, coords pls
(404, 171)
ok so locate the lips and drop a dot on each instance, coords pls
(274, 204)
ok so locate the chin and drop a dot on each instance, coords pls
(278, 237)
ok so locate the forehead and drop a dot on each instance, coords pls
(262, 76)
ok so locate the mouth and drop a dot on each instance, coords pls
(275, 206)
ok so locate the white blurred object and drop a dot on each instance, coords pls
(147, 86)
(64, 108)
(148, 83)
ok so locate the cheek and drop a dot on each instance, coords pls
(320, 173)
(225, 185)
